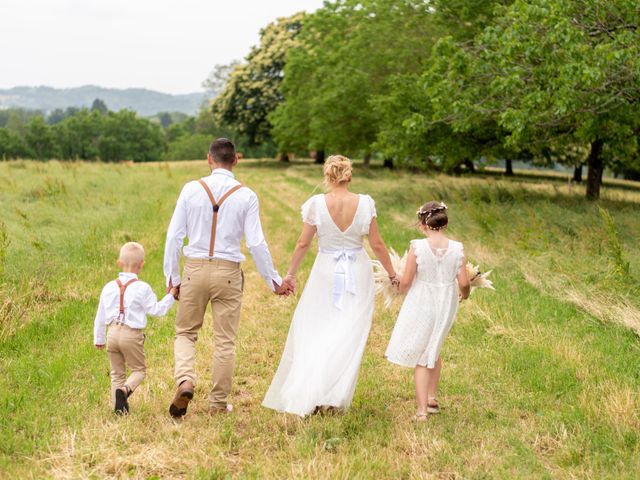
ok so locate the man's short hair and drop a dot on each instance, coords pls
(223, 151)
(131, 254)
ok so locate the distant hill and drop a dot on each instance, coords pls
(145, 102)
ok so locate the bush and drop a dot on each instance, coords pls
(189, 147)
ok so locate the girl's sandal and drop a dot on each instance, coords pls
(421, 417)
(432, 406)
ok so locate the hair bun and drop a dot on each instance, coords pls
(337, 169)
(433, 215)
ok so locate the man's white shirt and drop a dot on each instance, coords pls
(139, 301)
(238, 217)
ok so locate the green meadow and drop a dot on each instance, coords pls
(541, 378)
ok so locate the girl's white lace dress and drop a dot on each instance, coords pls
(430, 307)
(330, 327)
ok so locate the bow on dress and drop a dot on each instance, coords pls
(343, 279)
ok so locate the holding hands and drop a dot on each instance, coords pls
(287, 287)
(175, 291)
(289, 282)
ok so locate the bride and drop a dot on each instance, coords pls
(330, 327)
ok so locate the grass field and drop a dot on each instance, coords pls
(541, 379)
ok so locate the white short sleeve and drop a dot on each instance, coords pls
(372, 207)
(309, 211)
(370, 212)
(419, 249)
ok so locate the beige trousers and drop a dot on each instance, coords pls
(125, 347)
(220, 283)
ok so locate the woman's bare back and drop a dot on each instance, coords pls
(342, 208)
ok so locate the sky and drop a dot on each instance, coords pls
(170, 46)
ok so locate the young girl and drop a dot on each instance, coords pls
(429, 309)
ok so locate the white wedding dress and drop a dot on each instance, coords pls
(330, 327)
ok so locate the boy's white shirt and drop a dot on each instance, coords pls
(139, 301)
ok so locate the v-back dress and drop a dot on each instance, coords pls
(331, 323)
(430, 307)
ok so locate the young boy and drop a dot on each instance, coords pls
(124, 306)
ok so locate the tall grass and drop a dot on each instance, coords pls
(4, 245)
(619, 264)
(540, 378)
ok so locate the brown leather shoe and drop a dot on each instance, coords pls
(184, 394)
(222, 410)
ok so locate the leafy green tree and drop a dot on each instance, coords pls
(188, 147)
(406, 130)
(128, 137)
(165, 119)
(99, 106)
(56, 116)
(462, 20)
(560, 72)
(347, 53)
(252, 91)
(218, 78)
(78, 135)
(12, 146)
(16, 119)
(39, 139)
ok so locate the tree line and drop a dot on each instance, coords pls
(97, 133)
(80, 134)
(445, 84)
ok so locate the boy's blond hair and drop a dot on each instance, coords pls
(131, 253)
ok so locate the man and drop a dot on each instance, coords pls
(215, 213)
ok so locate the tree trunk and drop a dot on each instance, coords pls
(283, 156)
(367, 159)
(470, 166)
(596, 167)
(577, 174)
(508, 167)
(320, 156)
(388, 163)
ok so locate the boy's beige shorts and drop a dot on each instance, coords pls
(220, 283)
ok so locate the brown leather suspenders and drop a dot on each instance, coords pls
(122, 289)
(216, 207)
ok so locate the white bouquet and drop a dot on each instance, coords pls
(389, 293)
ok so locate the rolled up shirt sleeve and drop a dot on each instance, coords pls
(257, 244)
(100, 325)
(176, 234)
(157, 308)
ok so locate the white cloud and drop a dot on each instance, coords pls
(164, 45)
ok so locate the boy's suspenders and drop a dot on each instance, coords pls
(122, 289)
(216, 207)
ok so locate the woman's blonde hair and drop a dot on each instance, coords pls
(337, 170)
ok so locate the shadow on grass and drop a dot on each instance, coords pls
(552, 177)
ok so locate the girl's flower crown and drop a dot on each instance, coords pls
(432, 210)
